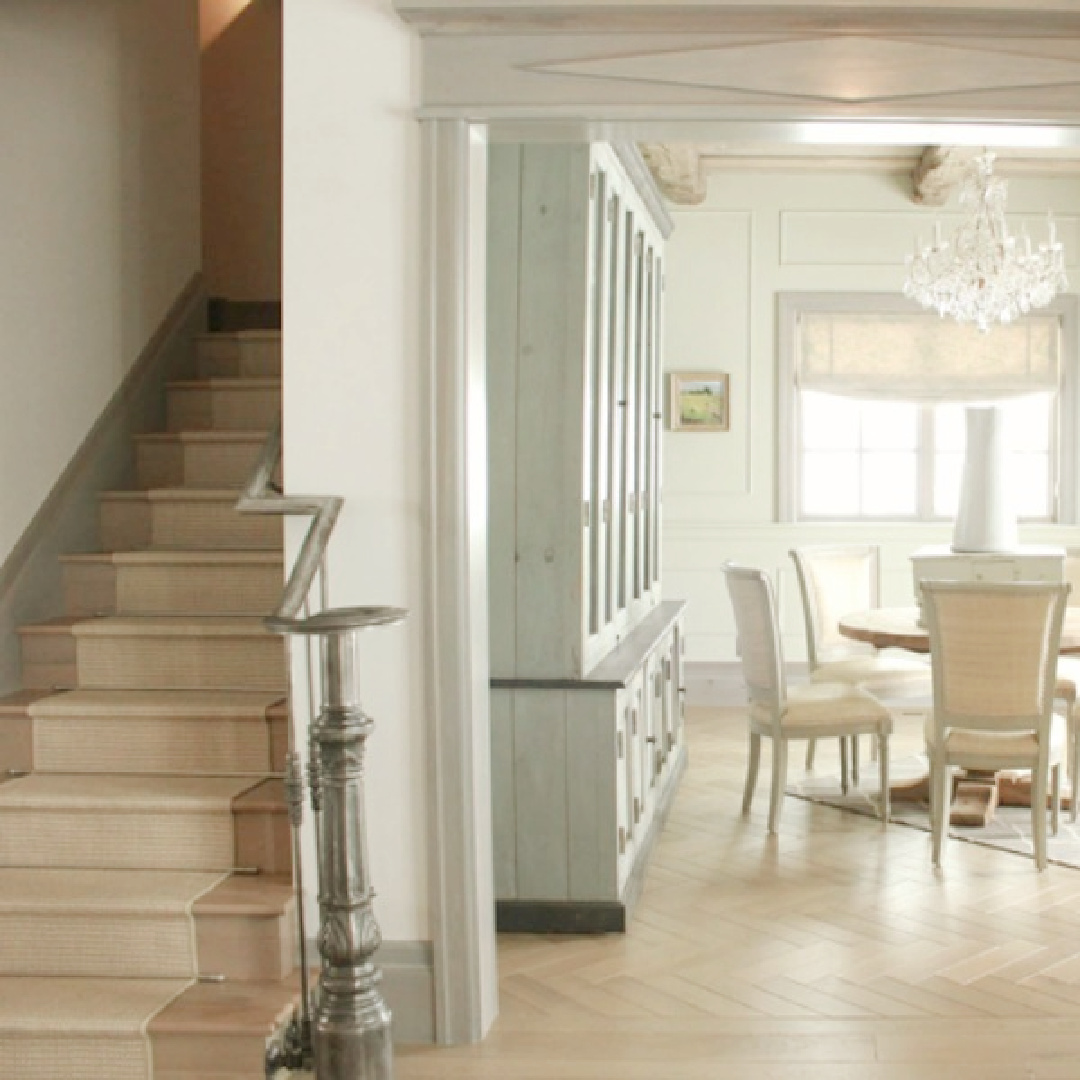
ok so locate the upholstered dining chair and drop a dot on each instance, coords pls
(993, 654)
(781, 713)
(834, 580)
(1068, 679)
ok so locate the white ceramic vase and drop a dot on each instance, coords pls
(985, 519)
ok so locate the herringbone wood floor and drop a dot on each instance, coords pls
(834, 952)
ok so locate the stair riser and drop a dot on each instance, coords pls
(134, 525)
(218, 465)
(76, 945)
(163, 662)
(246, 947)
(264, 841)
(144, 946)
(100, 839)
(204, 1054)
(222, 408)
(40, 1058)
(172, 590)
(177, 747)
(244, 357)
(48, 661)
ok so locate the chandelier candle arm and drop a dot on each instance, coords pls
(979, 276)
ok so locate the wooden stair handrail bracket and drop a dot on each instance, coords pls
(349, 1038)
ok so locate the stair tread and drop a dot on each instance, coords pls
(46, 890)
(247, 894)
(160, 794)
(178, 704)
(229, 1008)
(59, 624)
(174, 626)
(240, 335)
(179, 557)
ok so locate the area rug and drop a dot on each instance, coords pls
(1009, 831)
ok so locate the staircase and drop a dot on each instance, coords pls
(146, 908)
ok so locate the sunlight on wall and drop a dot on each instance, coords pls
(215, 17)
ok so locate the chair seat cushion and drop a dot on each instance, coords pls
(878, 674)
(829, 705)
(1004, 747)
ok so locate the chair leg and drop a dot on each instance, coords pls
(779, 777)
(855, 760)
(1055, 799)
(753, 760)
(1072, 742)
(811, 746)
(843, 765)
(1038, 816)
(940, 785)
(881, 743)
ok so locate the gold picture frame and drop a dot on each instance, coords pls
(698, 401)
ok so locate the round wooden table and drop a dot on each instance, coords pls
(976, 796)
(898, 628)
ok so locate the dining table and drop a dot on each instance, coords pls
(976, 795)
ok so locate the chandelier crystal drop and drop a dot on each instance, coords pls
(981, 274)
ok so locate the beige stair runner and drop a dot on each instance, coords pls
(150, 774)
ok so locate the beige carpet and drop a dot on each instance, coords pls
(91, 923)
(119, 822)
(80, 1029)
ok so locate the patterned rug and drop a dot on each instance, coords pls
(1010, 829)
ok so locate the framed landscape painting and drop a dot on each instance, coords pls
(698, 401)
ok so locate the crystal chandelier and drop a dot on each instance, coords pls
(982, 275)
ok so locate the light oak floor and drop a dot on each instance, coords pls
(833, 952)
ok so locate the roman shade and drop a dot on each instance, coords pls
(917, 356)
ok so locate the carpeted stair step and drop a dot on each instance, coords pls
(223, 404)
(119, 822)
(182, 732)
(16, 732)
(243, 354)
(217, 1030)
(160, 582)
(48, 654)
(179, 653)
(81, 1029)
(101, 923)
(190, 519)
(202, 459)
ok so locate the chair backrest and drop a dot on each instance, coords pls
(758, 635)
(993, 652)
(835, 580)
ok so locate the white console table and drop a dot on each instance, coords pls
(1027, 562)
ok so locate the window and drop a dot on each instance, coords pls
(872, 408)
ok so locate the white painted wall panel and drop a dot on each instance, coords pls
(758, 234)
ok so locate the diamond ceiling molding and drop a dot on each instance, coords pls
(847, 69)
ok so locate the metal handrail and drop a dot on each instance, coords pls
(262, 496)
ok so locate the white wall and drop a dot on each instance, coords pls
(351, 288)
(241, 147)
(758, 234)
(99, 219)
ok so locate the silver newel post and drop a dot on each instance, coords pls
(352, 1021)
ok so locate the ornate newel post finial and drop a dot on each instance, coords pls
(352, 1021)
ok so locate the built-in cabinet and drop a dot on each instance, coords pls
(585, 659)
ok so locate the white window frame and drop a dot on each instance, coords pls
(793, 304)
